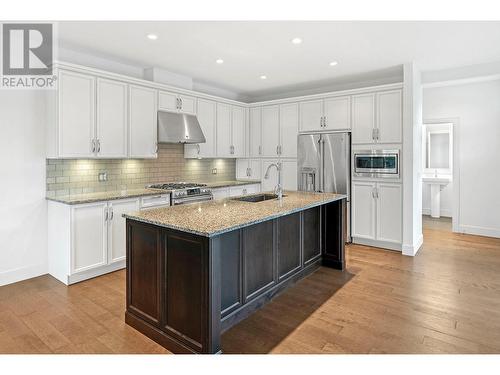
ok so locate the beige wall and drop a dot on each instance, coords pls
(81, 176)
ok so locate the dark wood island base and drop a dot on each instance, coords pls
(184, 290)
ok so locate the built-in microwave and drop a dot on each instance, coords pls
(376, 163)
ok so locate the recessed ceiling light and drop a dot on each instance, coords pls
(296, 40)
(152, 36)
(333, 63)
(263, 77)
(219, 61)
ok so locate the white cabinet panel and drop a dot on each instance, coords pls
(187, 104)
(111, 119)
(268, 184)
(89, 236)
(117, 229)
(310, 115)
(289, 174)
(389, 212)
(289, 129)
(238, 131)
(242, 169)
(255, 144)
(337, 113)
(223, 130)
(76, 114)
(363, 118)
(363, 210)
(270, 131)
(206, 115)
(235, 191)
(168, 101)
(389, 116)
(220, 193)
(142, 122)
(255, 169)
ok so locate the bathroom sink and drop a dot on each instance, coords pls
(437, 183)
(256, 198)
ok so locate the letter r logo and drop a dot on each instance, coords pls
(27, 49)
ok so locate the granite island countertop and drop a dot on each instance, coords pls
(133, 193)
(212, 218)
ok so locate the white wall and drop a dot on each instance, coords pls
(23, 209)
(477, 108)
(412, 160)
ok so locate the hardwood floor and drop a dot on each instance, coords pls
(445, 300)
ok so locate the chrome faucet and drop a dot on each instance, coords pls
(278, 190)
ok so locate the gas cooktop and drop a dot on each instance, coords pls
(176, 185)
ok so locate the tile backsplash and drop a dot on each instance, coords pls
(77, 176)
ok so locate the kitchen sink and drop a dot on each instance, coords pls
(257, 198)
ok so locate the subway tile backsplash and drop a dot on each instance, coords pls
(78, 176)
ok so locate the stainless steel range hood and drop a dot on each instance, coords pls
(179, 128)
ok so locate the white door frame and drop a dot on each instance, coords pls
(455, 211)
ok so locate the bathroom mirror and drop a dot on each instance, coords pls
(438, 148)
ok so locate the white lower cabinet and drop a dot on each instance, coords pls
(234, 191)
(377, 213)
(87, 240)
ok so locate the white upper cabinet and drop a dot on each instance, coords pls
(289, 129)
(172, 102)
(224, 146)
(363, 118)
(206, 115)
(311, 115)
(75, 124)
(248, 169)
(111, 136)
(377, 118)
(255, 142)
(389, 116)
(238, 131)
(231, 131)
(337, 113)
(143, 122)
(270, 131)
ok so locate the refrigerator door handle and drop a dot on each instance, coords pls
(322, 164)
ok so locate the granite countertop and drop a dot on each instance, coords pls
(106, 196)
(132, 193)
(215, 217)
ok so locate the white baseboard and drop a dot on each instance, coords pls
(23, 273)
(479, 231)
(375, 243)
(443, 212)
(411, 250)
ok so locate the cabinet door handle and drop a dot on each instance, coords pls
(93, 146)
(249, 172)
(180, 103)
(377, 132)
(112, 213)
(198, 147)
(98, 146)
(260, 150)
(105, 214)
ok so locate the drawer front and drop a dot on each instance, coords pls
(155, 201)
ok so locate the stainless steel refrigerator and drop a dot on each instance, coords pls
(324, 165)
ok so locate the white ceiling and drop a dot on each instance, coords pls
(251, 49)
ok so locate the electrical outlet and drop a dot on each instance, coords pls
(214, 170)
(103, 176)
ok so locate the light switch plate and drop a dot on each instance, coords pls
(214, 170)
(103, 176)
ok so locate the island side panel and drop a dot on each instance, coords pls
(182, 285)
(334, 228)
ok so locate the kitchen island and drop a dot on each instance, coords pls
(193, 271)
